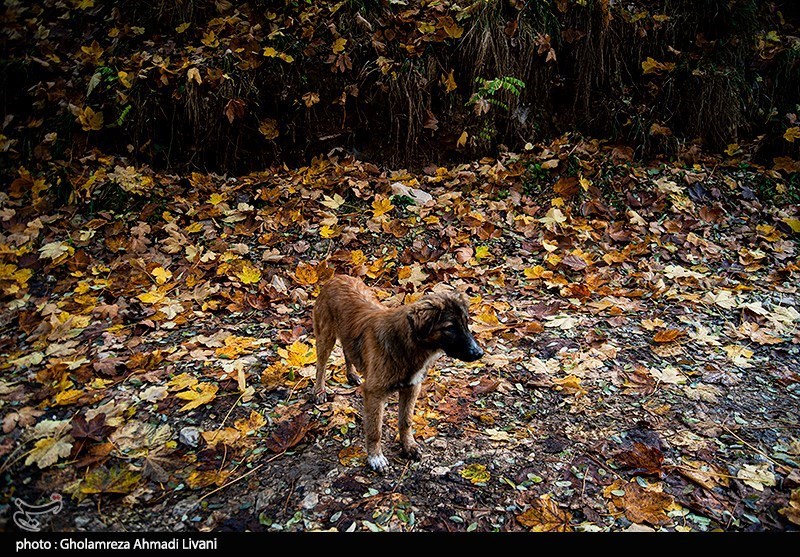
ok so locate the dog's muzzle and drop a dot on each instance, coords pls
(474, 352)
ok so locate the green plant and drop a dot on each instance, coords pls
(486, 95)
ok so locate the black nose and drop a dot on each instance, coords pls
(475, 353)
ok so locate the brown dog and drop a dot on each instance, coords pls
(391, 347)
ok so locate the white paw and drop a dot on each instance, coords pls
(379, 463)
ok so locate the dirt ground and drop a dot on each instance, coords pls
(653, 389)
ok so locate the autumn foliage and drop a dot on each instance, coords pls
(617, 195)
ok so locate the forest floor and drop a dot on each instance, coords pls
(640, 323)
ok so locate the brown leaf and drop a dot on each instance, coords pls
(289, 433)
(94, 429)
(640, 458)
(546, 516)
(639, 504)
(667, 335)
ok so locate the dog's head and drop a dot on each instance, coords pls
(441, 320)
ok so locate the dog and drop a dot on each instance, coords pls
(391, 347)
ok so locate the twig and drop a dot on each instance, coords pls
(756, 449)
(240, 477)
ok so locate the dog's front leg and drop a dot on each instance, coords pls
(374, 403)
(408, 400)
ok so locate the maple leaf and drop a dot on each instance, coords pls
(332, 202)
(381, 205)
(298, 354)
(338, 45)
(352, 456)
(638, 503)
(90, 120)
(151, 297)
(269, 128)
(306, 274)
(249, 274)
(791, 134)
(757, 475)
(553, 217)
(310, 99)
(253, 422)
(449, 82)
(289, 433)
(161, 275)
(114, 480)
(650, 66)
(95, 429)
(226, 436)
(546, 516)
(200, 394)
(47, 451)
(56, 250)
(476, 473)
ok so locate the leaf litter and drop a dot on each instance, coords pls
(640, 370)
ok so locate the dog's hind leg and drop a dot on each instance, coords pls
(405, 416)
(325, 339)
(352, 377)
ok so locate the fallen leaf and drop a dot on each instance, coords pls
(545, 515)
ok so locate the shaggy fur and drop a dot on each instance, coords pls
(391, 347)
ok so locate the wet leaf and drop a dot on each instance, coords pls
(289, 433)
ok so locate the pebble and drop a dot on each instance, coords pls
(310, 501)
(189, 436)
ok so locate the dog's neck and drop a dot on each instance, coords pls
(410, 358)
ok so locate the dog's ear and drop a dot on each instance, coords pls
(422, 318)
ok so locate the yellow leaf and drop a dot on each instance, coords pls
(182, 27)
(198, 395)
(254, 422)
(381, 206)
(791, 134)
(226, 435)
(535, 272)
(152, 297)
(653, 66)
(462, 140)
(298, 354)
(329, 232)
(732, 149)
(338, 45)
(249, 274)
(476, 473)
(70, 396)
(216, 199)
(47, 451)
(125, 79)
(357, 257)
(161, 275)
(546, 516)
(570, 385)
(554, 216)
(306, 274)
(482, 252)
(55, 250)
(182, 381)
(794, 224)
(270, 52)
(210, 39)
(449, 82)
